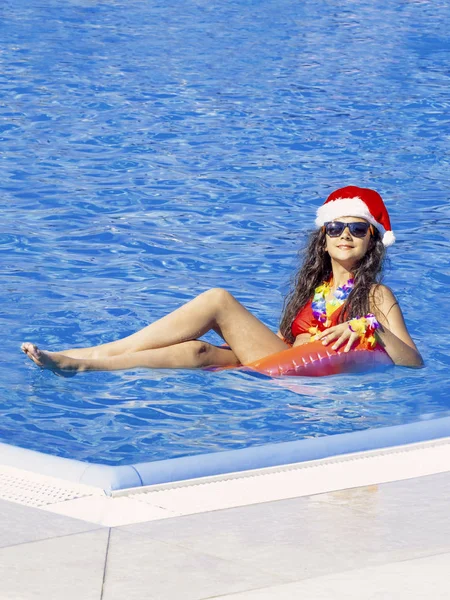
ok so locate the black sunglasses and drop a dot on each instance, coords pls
(358, 229)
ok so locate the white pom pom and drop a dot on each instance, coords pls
(388, 238)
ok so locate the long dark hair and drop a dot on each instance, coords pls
(316, 269)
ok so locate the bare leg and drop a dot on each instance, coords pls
(215, 309)
(193, 354)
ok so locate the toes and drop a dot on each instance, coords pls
(32, 352)
(29, 348)
(24, 347)
(47, 360)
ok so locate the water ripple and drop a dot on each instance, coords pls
(152, 151)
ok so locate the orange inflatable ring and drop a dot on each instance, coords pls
(316, 360)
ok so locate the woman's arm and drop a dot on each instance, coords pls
(393, 334)
(300, 340)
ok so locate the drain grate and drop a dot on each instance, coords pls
(32, 489)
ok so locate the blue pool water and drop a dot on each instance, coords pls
(152, 150)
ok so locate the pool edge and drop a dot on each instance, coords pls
(110, 478)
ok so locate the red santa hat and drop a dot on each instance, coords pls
(352, 201)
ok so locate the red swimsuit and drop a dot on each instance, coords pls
(305, 319)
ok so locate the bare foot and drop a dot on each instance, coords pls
(59, 363)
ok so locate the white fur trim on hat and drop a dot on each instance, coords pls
(345, 207)
(351, 207)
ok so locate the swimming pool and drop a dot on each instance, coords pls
(151, 151)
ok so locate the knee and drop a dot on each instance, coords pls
(219, 296)
(200, 353)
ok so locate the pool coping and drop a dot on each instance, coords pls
(113, 478)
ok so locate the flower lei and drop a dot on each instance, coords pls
(365, 327)
(323, 309)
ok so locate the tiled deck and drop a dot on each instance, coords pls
(384, 541)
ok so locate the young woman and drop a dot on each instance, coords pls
(337, 298)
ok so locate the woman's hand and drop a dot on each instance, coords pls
(339, 334)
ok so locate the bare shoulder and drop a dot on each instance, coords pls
(382, 294)
(382, 301)
(386, 308)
